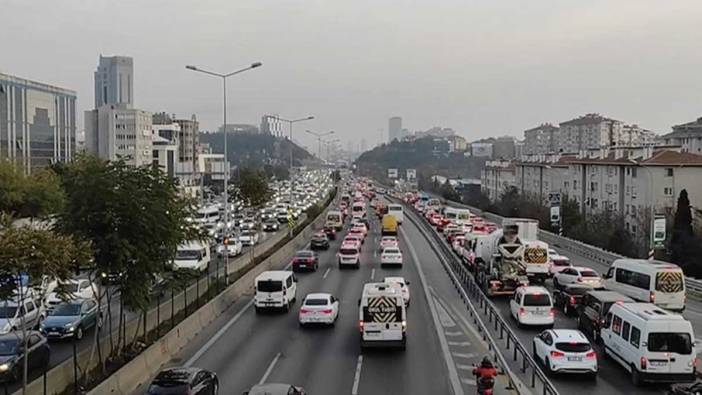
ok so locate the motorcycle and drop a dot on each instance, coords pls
(686, 389)
(486, 384)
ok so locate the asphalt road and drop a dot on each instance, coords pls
(244, 348)
(62, 350)
(612, 378)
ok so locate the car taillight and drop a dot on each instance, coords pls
(693, 362)
(326, 311)
(572, 300)
(580, 279)
(552, 312)
(360, 325)
(404, 325)
(644, 363)
(557, 354)
(652, 297)
(304, 311)
(521, 311)
(591, 355)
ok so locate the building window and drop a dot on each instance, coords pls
(626, 209)
(669, 172)
(633, 228)
(633, 172)
(667, 191)
(566, 185)
(575, 184)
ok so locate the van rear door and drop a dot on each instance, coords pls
(269, 292)
(670, 350)
(383, 319)
(669, 289)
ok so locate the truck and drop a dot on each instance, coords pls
(535, 251)
(499, 263)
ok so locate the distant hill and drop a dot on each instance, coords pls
(421, 154)
(256, 150)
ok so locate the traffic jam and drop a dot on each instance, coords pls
(631, 314)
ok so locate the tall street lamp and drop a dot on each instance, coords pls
(319, 140)
(226, 155)
(329, 144)
(290, 124)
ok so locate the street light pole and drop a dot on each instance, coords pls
(226, 154)
(290, 124)
(319, 140)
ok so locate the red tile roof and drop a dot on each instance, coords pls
(673, 158)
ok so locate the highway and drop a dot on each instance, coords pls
(244, 348)
(612, 378)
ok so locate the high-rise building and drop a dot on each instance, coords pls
(542, 139)
(114, 79)
(114, 131)
(189, 138)
(271, 124)
(394, 129)
(590, 131)
(37, 122)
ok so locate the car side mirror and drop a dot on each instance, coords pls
(359, 302)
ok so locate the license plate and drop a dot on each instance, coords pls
(658, 363)
(373, 334)
(575, 359)
(53, 333)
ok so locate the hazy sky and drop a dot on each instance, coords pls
(482, 67)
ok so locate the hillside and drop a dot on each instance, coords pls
(256, 150)
(421, 155)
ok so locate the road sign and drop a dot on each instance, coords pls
(554, 198)
(659, 231)
(555, 215)
(392, 173)
(411, 174)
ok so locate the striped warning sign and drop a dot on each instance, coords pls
(382, 309)
(669, 282)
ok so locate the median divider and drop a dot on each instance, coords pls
(148, 363)
(60, 378)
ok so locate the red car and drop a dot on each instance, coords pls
(305, 259)
(435, 219)
(440, 226)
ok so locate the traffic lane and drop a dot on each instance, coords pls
(612, 378)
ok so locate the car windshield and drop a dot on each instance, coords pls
(269, 286)
(561, 262)
(347, 251)
(680, 343)
(188, 254)
(305, 254)
(7, 311)
(9, 346)
(71, 286)
(573, 347)
(391, 251)
(316, 302)
(537, 300)
(66, 309)
(588, 273)
(577, 291)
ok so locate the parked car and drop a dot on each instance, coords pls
(565, 351)
(568, 298)
(71, 319)
(319, 308)
(184, 381)
(577, 275)
(12, 354)
(305, 259)
(319, 241)
(593, 309)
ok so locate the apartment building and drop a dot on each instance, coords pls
(538, 175)
(687, 135)
(496, 177)
(542, 139)
(588, 132)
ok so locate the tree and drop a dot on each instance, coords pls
(253, 188)
(448, 192)
(684, 246)
(134, 217)
(37, 195)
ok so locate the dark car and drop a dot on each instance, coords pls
(330, 232)
(71, 319)
(270, 225)
(569, 297)
(184, 381)
(12, 354)
(305, 259)
(319, 241)
(593, 309)
(275, 389)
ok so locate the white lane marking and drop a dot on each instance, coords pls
(466, 344)
(217, 335)
(468, 381)
(454, 333)
(453, 374)
(270, 369)
(372, 273)
(326, 272)
(357, 376)
(465, 367)
(464, 355)
(444, 316)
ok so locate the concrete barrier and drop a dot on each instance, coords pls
(149, 362)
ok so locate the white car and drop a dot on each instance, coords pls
(557, 262)
(565, 351)
(404, 286)
(388, 241)
(391, 256)
(319, 308)
(233, 247)
(532, 305)
(77, 289)
(248, 238)
(577, 275)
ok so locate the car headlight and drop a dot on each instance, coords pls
(69, 327)
(4, 367)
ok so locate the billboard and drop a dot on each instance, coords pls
(392, 173)
(659, 231)
(411, 174)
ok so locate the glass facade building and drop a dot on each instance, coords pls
(37, 122)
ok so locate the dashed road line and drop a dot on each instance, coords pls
(270, 369)
(464, 367)
(464, 355)
(468, 381)
(460, 344)
(373, 274)
(357, 377)
(326, 273)
(447, 333)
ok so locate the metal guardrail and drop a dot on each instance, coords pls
(469, 291)
(593, 253)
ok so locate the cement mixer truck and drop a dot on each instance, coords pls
(510, 257)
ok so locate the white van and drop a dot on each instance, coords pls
(382, 316)
(532, 306)
(358, 210)
(192, 255)
(396, 211)
(657, 282)
(651, 343)
(349, 255)
(207, 215)
(334, 220)
(458, 216)
(275, 289)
